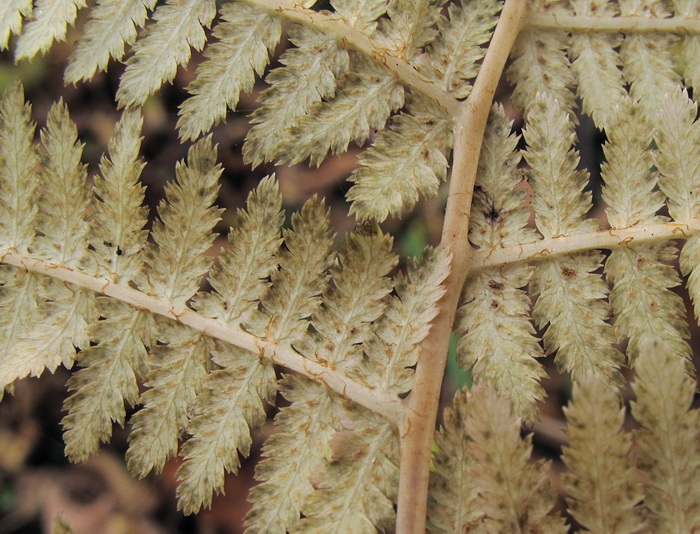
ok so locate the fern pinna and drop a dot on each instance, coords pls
(526, 266)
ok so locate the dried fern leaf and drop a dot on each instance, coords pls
(571, 296)
(365, 98)
(50, 23)
(677, 136)
(648, 62)
(112, 27)
(596, 64)
(452, 57)
(11, 13)
(453, 506)
(408, 159)
(61, 321)
(178, 25)
(291, 96)
(246, 36)
(541, 66)
(350, 305)
(116, 358)
(231, 398)
(498, 340)
(355, 492)
(177, 263)
(513, 493)
(691, 43)
(669, 439)
(604, 497)
(645, 308)
(411, 24)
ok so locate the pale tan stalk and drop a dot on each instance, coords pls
(603, 239)
(573, 23)
(279, 354)
(418, 424)
(392, 60)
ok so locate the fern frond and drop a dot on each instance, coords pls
(11, 13)
(571, 296)
(50, 23)
(452, 57)
(677, 135)
(178, 25)
(514, 494)
(454, 503)
(63, 316)
(411, 24)
(112, 27)
(596, 64)
(181, 236)
(499, 342)
(365, 98)
(231, 398)
(541, 66)
(117, 356)
(408, 159)
(604, 497)
(350, 305)
(669, 438)
(290, 95)
(645, 308)
(648, 63)
(246, 37)
(691, 43)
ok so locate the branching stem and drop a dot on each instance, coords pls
(418, 424)
(573, 23)
(604, 239)
(269, 349)
(391, 59)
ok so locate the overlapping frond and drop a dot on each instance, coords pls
(571, 296)
(498, 339)
(177, 264)
(50, 22)
(117, 357)
(604, 496)
(178, 26)
(60, 321)
(11, 13)
(641, 275)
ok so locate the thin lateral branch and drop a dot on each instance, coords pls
(418, 424)
(360, 42)
(603, 239)
(373, 400)
(679, 25)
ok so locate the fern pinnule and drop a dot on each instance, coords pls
(117, 355)
(63, 315)
(290, 96)
(677, 135)
(648, 61)
(604, 497)
(497, 337)
(246, 37)
(177, 25)
(571, 297)
(669, 439)
(231, 398)
(596, 63)
(514, 494)
(177, 264)
(18, 211)
(112, 28)
(50, 22)
(414, 146)
(641, 275)
(365, 98)
(11, 13)
(453, 505)
(350, 305)
(691, 43)
(452, 58)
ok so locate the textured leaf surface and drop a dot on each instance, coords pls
(11, 13)
(50, 22)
